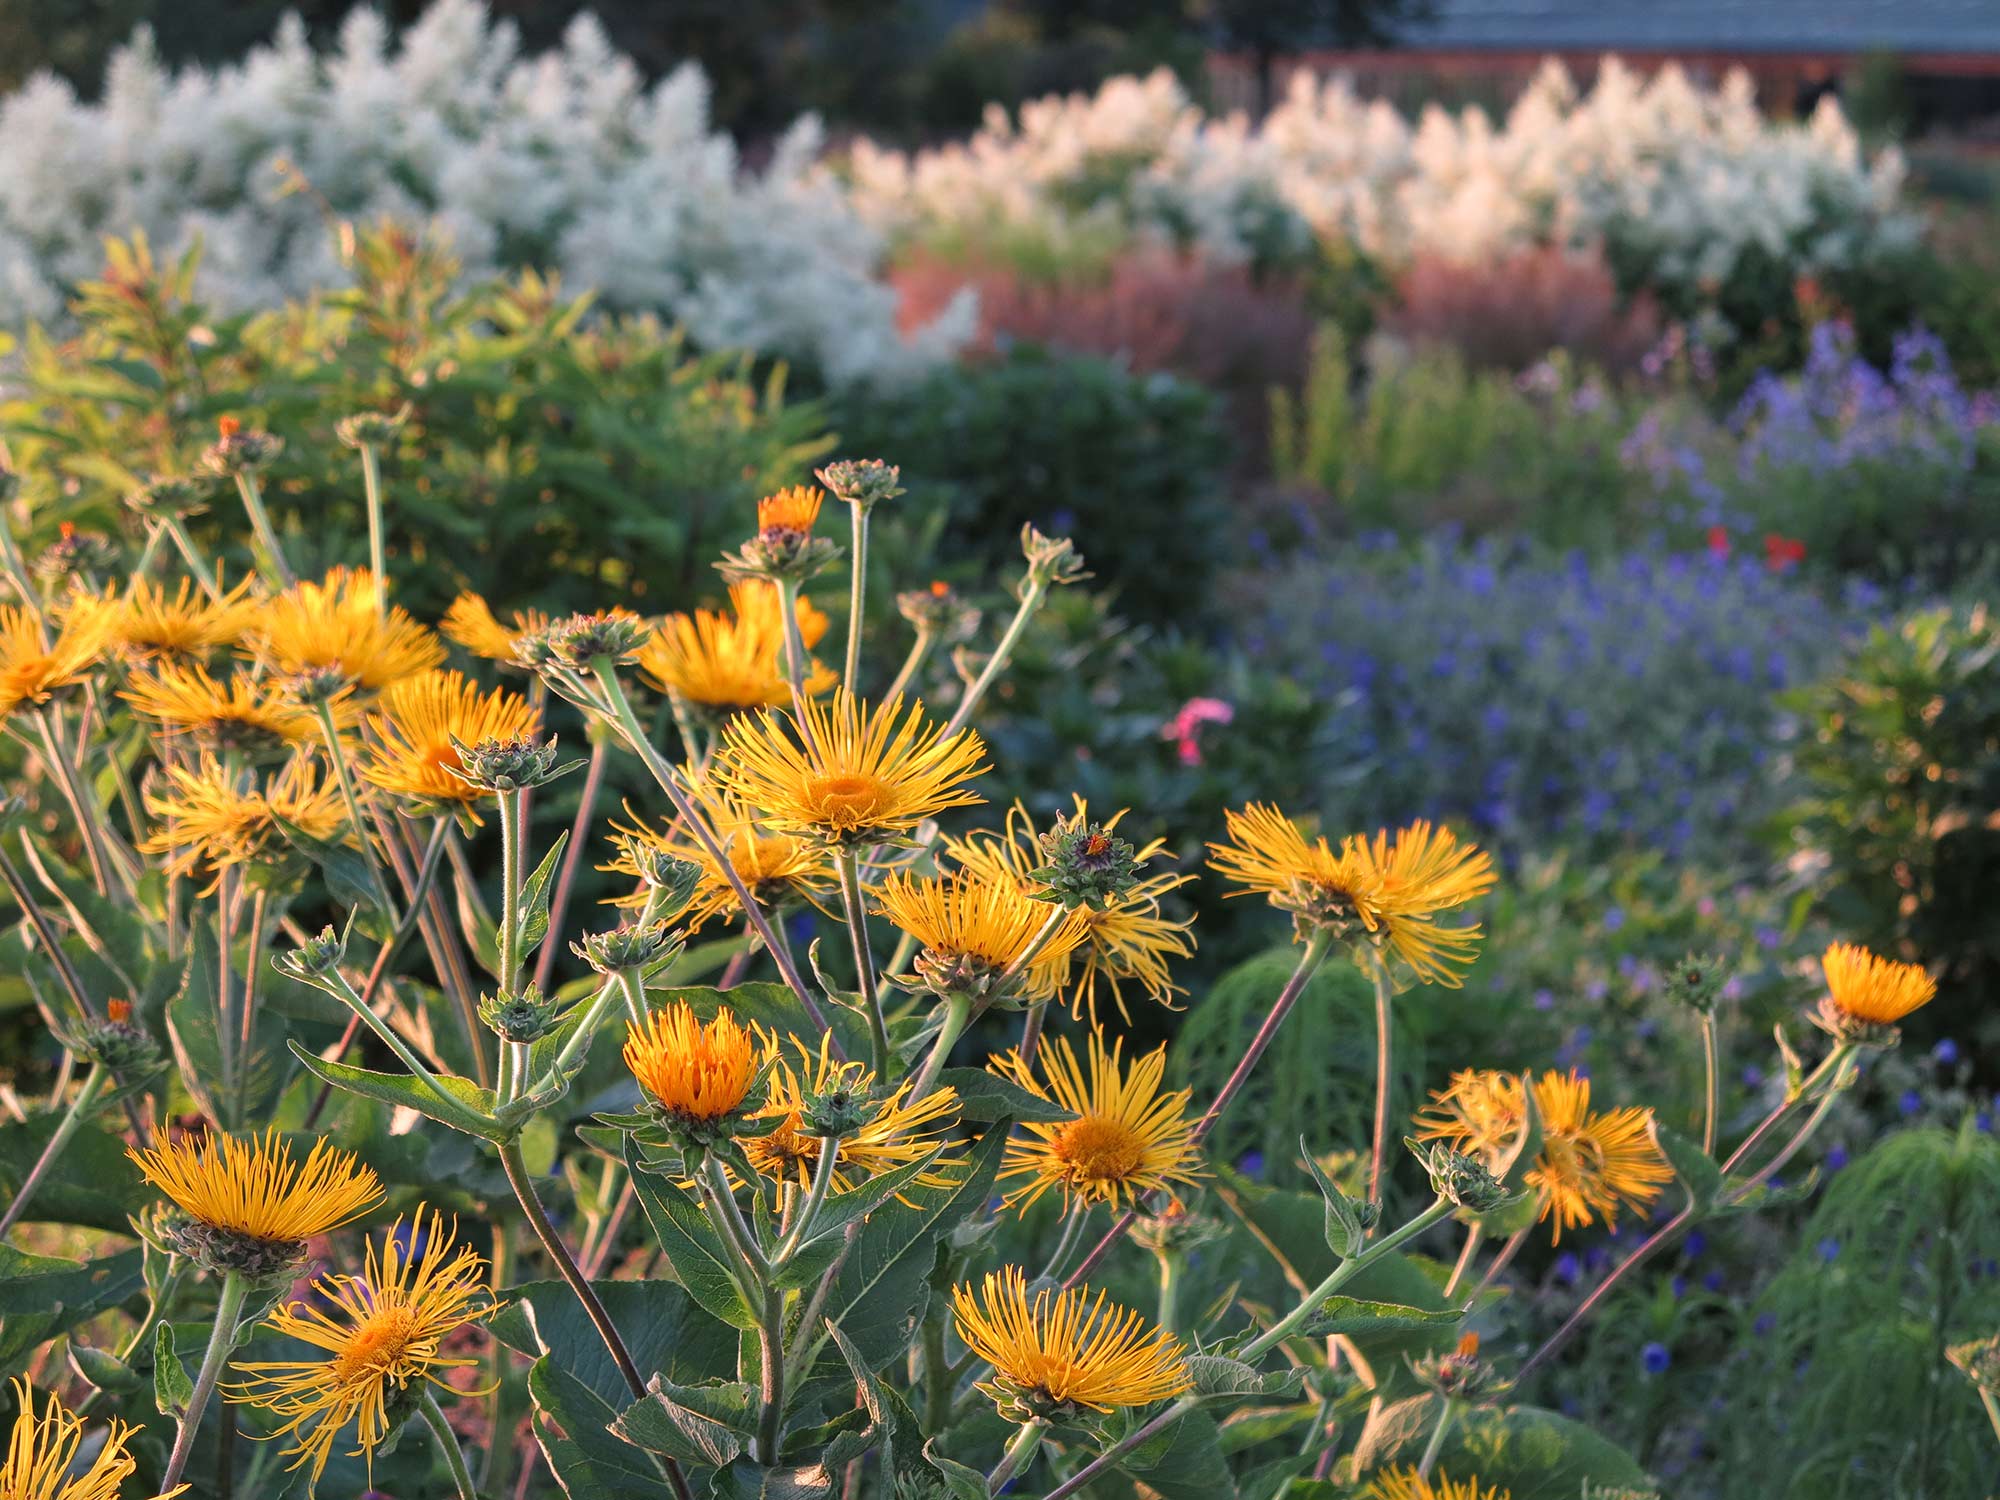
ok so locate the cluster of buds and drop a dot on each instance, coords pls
(372, 429)
(862, 482)
(1462, 1180)
(168, 498)
(951, 975)
(1087, 865)
(1696, 981)
(630, 948)
(784, 550)
(236, 451)
(843, 1103)
(124, 1049)
(312, 686)
(508, 765)
(313, 959)
(1460, 1375)
(1051, 560)
(582, 641)
(77, 554)
(526, 1017)
(940, 612)
(1174, 1230)
(221, 1251)
(672, 880)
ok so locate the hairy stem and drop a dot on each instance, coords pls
(579, 837)
(1031, 600)
(857, 597)
(1378, 1149)
(447, 1441)
(371, 485)
(856, 911)
(1712, 1091)
(221, 1340)
(1020, 1453)
(266, 534)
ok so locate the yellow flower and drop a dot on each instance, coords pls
(147, 622)
(731, 663)
(859, 777)
(341, 623)
(1129, 1137)
(252, 1187)
(1869, 988)
(1395, 888)
(383, 1332)
(898, 1131)
(695, 1071)
(1408, 1484)
(794, 509)
(1591, 1164)
(42, 1454)
(240, 714)
(471, 622)
(1064, 1347)
(777, 868)
(410, 751)
(216, 818)
(32, 669)
(1128, 942)
(990, 922)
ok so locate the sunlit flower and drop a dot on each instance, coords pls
(1879, 991)
(250, 1186)
(44, 1454)
(1130, 1137)
(971, 928)
(1407, 1484)
(1129, 942)
(470, 622)
(1591, 1165)
(699, 1072)
(1064, 1348)
(215, 818)
(383, 1336)
(341, 622)
(1394, 888)
(858, 777)
(409, 751)
(778, 869)
(795, 509)
(34, 669)
(240, 713)
(147, 622)
(733, 662)
(898, 1129)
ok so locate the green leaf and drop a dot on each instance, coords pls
(961, 1482)
(93, 1182)
(1344, 1234)
(1695, 1168)
(172, 1390)
(1185, 1462)
(1536, 1454)
(1213, 1375)
(573, 1424)
(464, 1106)
(699, 1424)
(665, 1331)
(103, 1369)
(901, 1433)
(984, 1097)
(351, 880)
(192, 1018)
(692, 1247)
(43, 1296)
(1352, 1315)
(842, 1209)
(482, 935)
(532, 911)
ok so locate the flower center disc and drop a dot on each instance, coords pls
(846, 801)
(1096, 1149)
(377, 1345)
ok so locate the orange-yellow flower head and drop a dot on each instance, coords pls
(1867, 994)
(410, 751)
(1407, 1484)
(470, 622)
(212, 818)
(731, 663)
(778, 869)
(1591, 1164)
(342, 623)
(1130, 1136)
(382, 1340)
(33, 669)
(699, 1073)
(246, 715)
(257, 1205)
(897, 1129)
(1057, 1351)
(794, 510)
(1392, 889)
(44, 1459)
(147, 623)
(853, 775)
(971, 931)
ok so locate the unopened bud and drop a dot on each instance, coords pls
(629, 948)
(865, 482)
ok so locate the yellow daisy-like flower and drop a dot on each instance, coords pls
(1591, 1163)
(898, 1131)
(383, 1332)
(1129, 1137)
(1867, 987)
(43, 1451)
(32, 669)
(215, 818)
(147, 622)
(252, 1187)
(790, 510)
(1063, 1347)
(962, 916)
(240, 714)
(1128, 942)
(470, 622)
(697, 1072)
(859, 777)
(735, 662)
(777, 868)
(409, 751)
(1408, 1484)
(1395, 887)
(340, 623)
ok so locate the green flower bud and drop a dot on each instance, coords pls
(1463, 1180)
(865, 482)
(239, 452)
(629, 948)
(169, 498)
(508, 765)
(1696, 981)
(1051, 560)
(371, 429)
(581, 641)
(1088, 865)
(525, 1017)
(314, 957)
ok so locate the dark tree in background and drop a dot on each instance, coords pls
(1271, 30)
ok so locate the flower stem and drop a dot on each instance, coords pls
(1020, 1453)
(371, 484)
(75, 1115)
(1172, 1263)
(1031, 1034)
(221, 1340)
(1473, 1235)
(856, 912)
(330, 732)
(513, 837)
(1712, 1093)
(822, 1184)
(447, 1440)
(857, 597)
(957, 1015)
(196, 564)
(1031, 600)
(260, 524)
(71, 788)
(579, 837)
(1378, 973)
(1436, 1445)
(919, 650)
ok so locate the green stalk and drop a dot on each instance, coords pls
(260, 524)
(1712, 1092)
(1379, 1145)
(221, 1340)
(579, 839)
(335, 984)
(447, 1440)
(184, 544)
(1436, 1445)
(795, 645)
(1172, 1263)
(1992, 1409)
(857, 596)
(1066, 1241)
(1020, 1453)
(352, 797)
(513, 837)
(957, 1016)
(371, 484)
(919, 651)
(72, 790)
(864, 958)
(822, 1184)
(75, 1115)
(1031, 600)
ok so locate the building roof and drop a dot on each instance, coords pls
(1820, 26)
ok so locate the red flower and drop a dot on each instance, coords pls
(1782, 553)
(1718, 542)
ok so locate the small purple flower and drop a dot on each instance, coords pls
(1614, 919)
(1764, 1324)
(1829, 1249)
(1945, 1052)
(1713, 1281)
(1910, 1102)
(1836, 1158)
(1679, 1287)
(1544, 1000)
(1655, 1357)
(1251, 1164)
(1753, 1077)
(1567, 1268)
(1983, 1122)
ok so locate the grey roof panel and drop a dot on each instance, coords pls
(1714, 25)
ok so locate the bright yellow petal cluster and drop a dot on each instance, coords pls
(733, 662)
(147, 622)
(43, 1452)
(34, 668)
(1408, 1484)
(1063, 1346)
(1592, 1163)
(470, 622)
(343, 622)
(899, 1129)
(1130, 1137)
(409, 751)
(382, 1332)
(852, 775)
(1874, 989)
(793, 509)
(214, 818)
(777, 868)
(252, 1187)
(242, 713)
(696, 1071)
(989, 921)
(1395, 886)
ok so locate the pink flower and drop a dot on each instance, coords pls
(1184, 728)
